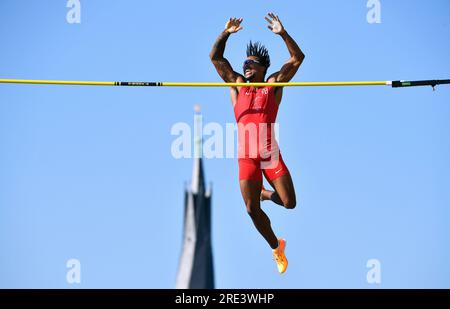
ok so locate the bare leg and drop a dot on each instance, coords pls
(284, 194)
(251, 190)
(268, 195)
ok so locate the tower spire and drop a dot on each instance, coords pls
(196, 270)
(198, 180)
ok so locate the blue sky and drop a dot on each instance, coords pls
(87, 172)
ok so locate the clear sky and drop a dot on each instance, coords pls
(87, 172)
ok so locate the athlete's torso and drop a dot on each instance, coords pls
(258, 108)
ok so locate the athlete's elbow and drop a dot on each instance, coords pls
(214, 57)
(298, 60)
(215, 61)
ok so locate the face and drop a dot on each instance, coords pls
(254, 71)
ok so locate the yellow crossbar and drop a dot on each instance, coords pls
(192, 84)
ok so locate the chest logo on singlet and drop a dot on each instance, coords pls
(264, 91)
(260, 99)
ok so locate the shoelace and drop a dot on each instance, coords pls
(277, 258)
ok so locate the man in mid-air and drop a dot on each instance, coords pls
(255, 109)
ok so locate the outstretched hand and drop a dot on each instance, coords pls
(275, 24)
(233, 25)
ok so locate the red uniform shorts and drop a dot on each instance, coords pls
(253, 168)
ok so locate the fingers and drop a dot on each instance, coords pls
(234, 25)
(268, 20)
(270, 27)
(236, 21)
(273, 16)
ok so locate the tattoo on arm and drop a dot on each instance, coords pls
(221, 64)
(219, 46)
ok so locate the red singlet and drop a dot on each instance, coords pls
(256, 112)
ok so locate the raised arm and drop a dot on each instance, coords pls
(291, 66)
(221, 64)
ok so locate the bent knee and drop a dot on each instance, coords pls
(290, 203)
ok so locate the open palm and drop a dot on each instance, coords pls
(233, 25)
(275, 24)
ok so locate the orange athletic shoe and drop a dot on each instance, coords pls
(279, 257)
